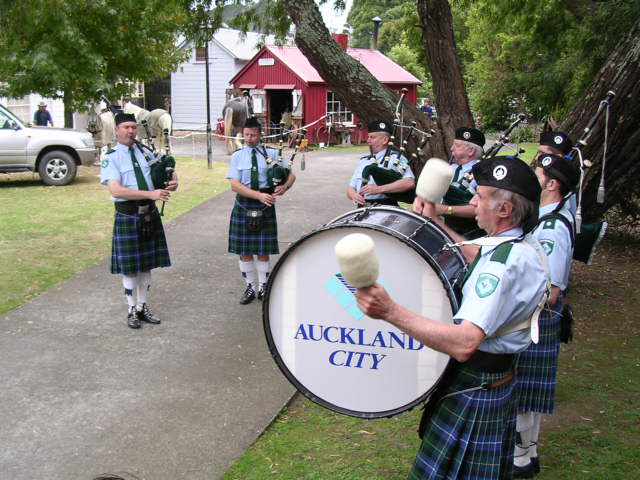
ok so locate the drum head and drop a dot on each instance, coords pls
(333, 353)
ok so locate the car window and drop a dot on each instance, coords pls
(5, 122)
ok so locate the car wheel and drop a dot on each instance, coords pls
(57, 168)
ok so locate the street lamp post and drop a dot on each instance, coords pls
(206, 62)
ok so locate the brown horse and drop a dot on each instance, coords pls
(235, 113)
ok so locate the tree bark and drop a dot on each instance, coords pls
(450, 95)
(67, 100)
(348, 78)
(621, 74)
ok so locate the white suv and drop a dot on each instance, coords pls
(54, 153)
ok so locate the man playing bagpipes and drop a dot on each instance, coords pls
(139, 244)
(466, 151)
(383, 177)
(258, 179)
(537, 365)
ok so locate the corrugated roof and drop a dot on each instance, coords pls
(242, 49)
(381, 66)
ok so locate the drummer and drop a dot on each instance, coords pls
(378, 140)
(471, 434)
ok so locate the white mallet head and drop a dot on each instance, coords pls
(434, 180)
(356, 255)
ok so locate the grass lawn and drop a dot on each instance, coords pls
(47, 234)
(594, 434)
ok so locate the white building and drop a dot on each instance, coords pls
(25, 107)
(228, 53)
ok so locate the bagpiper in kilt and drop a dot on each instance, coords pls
(138, 243)
(253, 228)
(468, 424)
(538, 364)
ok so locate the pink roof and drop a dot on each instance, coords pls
(382, 67)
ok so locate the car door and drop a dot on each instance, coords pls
(13, 142)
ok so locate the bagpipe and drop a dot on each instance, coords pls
(162, 166)
(278, 170)
(389, 171)
(504, 139)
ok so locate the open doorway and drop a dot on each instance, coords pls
(280, 101)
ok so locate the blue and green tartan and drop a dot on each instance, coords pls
(244, 242)
(538, 366)
(130, 254)
(469, 435)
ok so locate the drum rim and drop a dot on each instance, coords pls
(274, 350)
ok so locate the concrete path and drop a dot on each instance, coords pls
(82, 394)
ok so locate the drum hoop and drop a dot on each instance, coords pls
(271, 343)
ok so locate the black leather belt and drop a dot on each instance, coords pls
(491, 362)
(130, 207)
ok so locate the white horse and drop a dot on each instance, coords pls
(104, 137)
(158, 122)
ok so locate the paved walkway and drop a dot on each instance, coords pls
(82, 394)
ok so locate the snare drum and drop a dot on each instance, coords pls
(325, 345)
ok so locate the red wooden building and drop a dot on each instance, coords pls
(281, 79)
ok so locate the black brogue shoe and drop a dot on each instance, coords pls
(146, 316)
(248, 295)
(132, 318)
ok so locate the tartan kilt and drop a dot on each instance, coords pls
(470, 435)
(130, 254)
(244, 242)
(538, 366)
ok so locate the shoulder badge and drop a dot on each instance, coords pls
(501, 253)
(549, 224)
(547, 246)
(486, 284)
(105, 163)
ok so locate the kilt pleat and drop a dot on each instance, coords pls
(244, 242)
(538, 366)
(470, 435)
(130, 254)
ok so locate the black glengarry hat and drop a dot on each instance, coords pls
(560, 168)
(508, 173)
(124, 117)
(472, 135)
(379, 126)
(558, 140)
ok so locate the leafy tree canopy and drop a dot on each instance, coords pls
(76, 47)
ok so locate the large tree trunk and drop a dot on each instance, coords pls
(348, 78)
(450, 95)
(68, 108)
(621, 74)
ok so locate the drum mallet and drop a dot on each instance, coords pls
(434, 180)
(357, 258)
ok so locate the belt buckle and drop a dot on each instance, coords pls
(142, 209)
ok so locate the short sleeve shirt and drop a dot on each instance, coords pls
(555, 238)
(117, 165)
(504, 287)
(240, 164)
(356, 179)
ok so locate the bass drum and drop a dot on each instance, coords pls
(328, 348)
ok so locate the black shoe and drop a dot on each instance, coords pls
(261, 293)
(528, 471)
(146, 316)
(248, 295)
(132, 318)
(536, 464)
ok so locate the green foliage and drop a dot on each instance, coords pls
(536, 57)
(71, 48)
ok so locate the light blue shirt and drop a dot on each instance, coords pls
(555, 238)
(356, 179)
(498, 293)
(240, 164)
(117, 165)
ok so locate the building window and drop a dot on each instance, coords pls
(201, 54)
(336, 110)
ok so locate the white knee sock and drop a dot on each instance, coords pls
(521, 453)
(263, 271)
(535, 433)
(144, 283)
(130, 290)
(248, 270)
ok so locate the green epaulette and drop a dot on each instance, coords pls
(550, 224)
(501, 253)
(110, 151)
